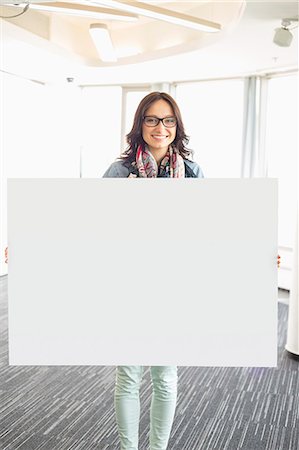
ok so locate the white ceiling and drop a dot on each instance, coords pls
(60, 46)
(152, 38)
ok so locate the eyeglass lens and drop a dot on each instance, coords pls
(152, 121)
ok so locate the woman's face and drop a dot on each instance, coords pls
(158, 138)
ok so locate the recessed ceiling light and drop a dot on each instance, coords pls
(102, 40)
(125, 52)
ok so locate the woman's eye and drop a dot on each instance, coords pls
(151, 120)
(170, 121)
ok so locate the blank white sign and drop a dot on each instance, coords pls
(142, 272)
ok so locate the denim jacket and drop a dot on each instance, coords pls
(123, 169)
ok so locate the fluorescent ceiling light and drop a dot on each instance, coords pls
(102, 40)
(74, 9)
(125, 52)
(155, 12)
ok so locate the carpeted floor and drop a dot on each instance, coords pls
(71, 408)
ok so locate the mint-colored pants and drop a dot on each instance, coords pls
(127, 405)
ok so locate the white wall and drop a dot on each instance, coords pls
(40, 136)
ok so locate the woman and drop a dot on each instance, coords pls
(156, 149)
(156, 143)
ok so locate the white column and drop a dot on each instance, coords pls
(292, 344)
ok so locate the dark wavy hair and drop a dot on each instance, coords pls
(134, 138)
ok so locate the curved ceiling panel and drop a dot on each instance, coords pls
(156, 39)
(144, 39)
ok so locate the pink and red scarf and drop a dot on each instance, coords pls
(148, 168)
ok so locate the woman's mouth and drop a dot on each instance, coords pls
(159, 137)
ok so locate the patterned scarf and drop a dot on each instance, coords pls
(172, 165)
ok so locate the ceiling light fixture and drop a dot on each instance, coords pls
(166, 15)
(102, 40)
(125, 52)
(283, 37)
(75, 9)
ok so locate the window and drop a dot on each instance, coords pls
(282, 148)
(213, 117)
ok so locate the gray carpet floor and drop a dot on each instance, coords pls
(71, 408)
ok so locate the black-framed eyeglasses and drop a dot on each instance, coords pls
(152, 121)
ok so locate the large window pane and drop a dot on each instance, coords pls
(282, 150)
(213, 118)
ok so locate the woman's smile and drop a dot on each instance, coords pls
(159, 137)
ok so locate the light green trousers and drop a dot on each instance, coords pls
(127, 405)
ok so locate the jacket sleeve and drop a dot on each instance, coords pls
(198, 172)
(195, 169)
(116, 170)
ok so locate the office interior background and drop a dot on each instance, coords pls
(65, 113)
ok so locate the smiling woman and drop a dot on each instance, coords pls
(156, 143)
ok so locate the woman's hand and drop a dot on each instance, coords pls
(278, 261)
